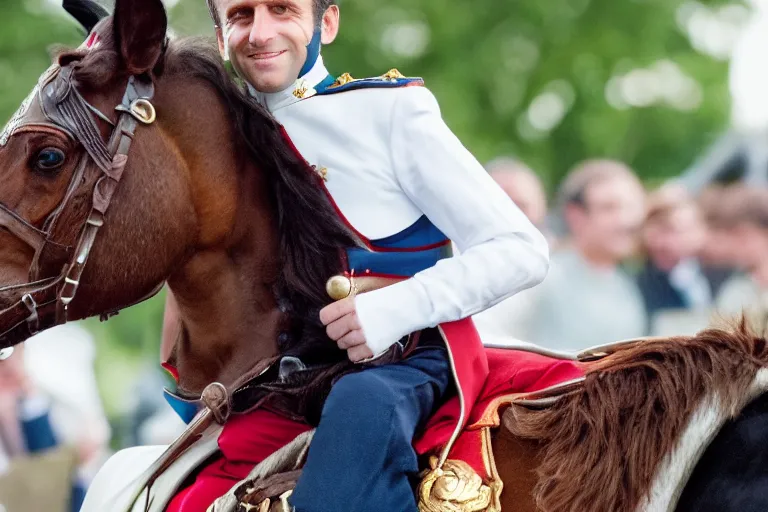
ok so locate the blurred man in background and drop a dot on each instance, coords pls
(587, 299)
(523, 186)
(742, 220)
(672, 278)
(49, 401)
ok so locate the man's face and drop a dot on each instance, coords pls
(677, 236)
(750, 243)
(609, 222)
(266, 39)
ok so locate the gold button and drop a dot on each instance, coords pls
(338, 287)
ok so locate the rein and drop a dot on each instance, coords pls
(44, 301)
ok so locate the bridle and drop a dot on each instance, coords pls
(44, 301)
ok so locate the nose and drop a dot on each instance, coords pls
(263, 29)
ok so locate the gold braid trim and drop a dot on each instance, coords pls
(456, 488)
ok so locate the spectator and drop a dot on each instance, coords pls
(674, 235)
(743, 219)
(522, 185)
(49, 399)
(26, 429)
(719, 205)
(587, 299)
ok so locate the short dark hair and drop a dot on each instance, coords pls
(320, 6)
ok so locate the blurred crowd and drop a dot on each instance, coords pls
(627, 262)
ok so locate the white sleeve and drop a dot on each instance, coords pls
(502, 253)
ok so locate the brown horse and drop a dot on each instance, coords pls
(199, 189)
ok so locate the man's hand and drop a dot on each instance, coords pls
(343, 327)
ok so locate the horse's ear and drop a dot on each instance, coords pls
(140, 30)
(87, 12)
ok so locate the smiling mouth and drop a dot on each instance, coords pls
(267, 55)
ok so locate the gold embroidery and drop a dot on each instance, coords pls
(300, 91)
(454, 488)
(342, 80)
(393, 74)
(321, 171)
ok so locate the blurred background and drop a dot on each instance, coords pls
(634, 133)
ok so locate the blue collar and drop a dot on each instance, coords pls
(186, 409)
(313, 52)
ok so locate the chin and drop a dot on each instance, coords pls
(269, 82)
(269, 87)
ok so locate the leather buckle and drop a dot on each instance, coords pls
(33, 320)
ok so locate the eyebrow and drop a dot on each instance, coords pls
(291, 4)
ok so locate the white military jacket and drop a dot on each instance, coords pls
(389, 160)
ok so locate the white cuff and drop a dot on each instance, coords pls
(388, 314)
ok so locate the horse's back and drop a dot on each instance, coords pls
(732, 475)
(116, 483)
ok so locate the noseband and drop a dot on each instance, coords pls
(44, 301)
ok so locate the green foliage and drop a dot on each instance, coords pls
(28, 32)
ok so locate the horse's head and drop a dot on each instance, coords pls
(71, 169)
(136, 162)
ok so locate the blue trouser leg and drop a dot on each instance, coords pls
(362, 458)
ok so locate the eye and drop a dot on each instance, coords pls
(49, 159)
(279, 9)
(237, 16)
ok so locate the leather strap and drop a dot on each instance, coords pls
(43, 303)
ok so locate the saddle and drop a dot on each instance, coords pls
(466, 479)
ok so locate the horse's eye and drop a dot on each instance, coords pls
(49, 159)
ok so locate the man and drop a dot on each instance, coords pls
(510, 317)
(742, 218)
(587, 299)
(522, 185)
(400, 179)
(33, 421)
(674, 235)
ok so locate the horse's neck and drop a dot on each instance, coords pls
(224, 289)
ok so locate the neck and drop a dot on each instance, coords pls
(595, 257)
(667, 264)
(224, 288)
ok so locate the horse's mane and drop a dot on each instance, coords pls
(311, 234)
(630, 414)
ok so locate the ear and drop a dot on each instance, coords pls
(87, 12)
(140, 29)
(330, 26)
(220, 40)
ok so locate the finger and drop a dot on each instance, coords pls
(342, 326)
(351, 339)
(358, 353)
(338, 309)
